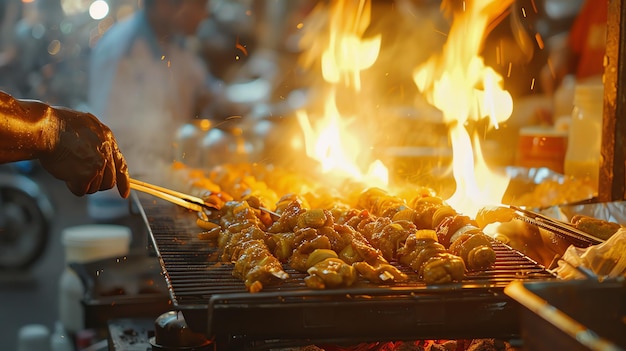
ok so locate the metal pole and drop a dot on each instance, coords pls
(612, 184)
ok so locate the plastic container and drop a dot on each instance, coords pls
(59, 340)
(33, 337)
(582, 159)
(83, 244)
(542, 147)
(92, 242)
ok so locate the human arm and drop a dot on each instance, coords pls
(73, 146)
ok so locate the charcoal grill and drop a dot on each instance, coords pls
(289, 314)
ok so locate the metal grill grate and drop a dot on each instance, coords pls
(218, 303)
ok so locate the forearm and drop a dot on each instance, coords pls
(28, 129)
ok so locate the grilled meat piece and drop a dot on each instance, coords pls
(397, 239)
(475, 249)
(388, 235)
(299, 233)
(330, 273)
(462, 237)
(379, 271)
(305, 242)
(256, 266)
(243, 241)
(431, 260)
(597, 227)
(424, 211)
(368, 260)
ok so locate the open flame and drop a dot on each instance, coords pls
(344, 55)
(457, 82)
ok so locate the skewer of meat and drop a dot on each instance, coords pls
(310, 240)
(418, 249)
(242, 240)
(457, 233)
(461, 236)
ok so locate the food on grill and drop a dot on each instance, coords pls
(330, 273)
(430, 259)
(243, 241)
(401, 241)
(307, 239)
(455, 232)
(332, 237)
(463, 237)
(304, 236)
(254, 263)
(597, 227)
(494, 214)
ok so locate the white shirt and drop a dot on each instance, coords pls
(144, 91)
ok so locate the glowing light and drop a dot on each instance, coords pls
(98, 9)
(342, 54)
(54, 47)
(459, 84)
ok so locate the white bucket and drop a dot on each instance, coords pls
(93, 242)
(86, 243)
(33, 337)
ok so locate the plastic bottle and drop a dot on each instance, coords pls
(60, 340)
(563, 99)
(582, 159)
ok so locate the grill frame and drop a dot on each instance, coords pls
(217, 304)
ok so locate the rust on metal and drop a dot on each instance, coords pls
(612, 182)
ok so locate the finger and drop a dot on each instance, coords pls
(95, 183)
(77, 188)
(108, 174)
(122, 177)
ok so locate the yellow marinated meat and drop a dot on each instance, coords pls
(256, 266)
(330, 273)
(431, 261)
(363, 228)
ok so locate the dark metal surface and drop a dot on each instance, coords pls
(212, 300)
(572, 315)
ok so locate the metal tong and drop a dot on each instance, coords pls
(187, 201)
(556, 226)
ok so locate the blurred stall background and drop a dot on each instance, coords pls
(252, 47)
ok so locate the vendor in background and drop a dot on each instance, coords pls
(581, 52)
(72, 146)
(145, 84)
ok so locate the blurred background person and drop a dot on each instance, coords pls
(11, 12)
(145, 84)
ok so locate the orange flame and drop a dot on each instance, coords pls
(459, 84)
(344, 54)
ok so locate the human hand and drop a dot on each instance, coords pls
(86, 155)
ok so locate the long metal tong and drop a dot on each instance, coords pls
(190, 202)
(556, 226)
(185, 200)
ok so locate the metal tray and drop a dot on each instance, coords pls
(572, 315)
